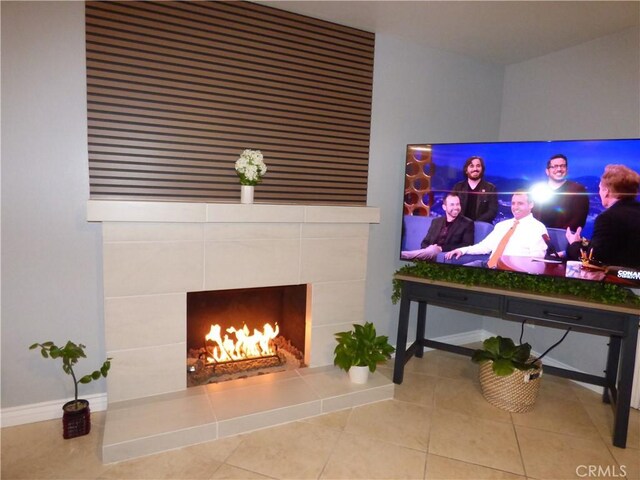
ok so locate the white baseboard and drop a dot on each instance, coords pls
(38, 412)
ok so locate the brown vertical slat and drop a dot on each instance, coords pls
(176, 91)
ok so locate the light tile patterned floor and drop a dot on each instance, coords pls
(437, 427)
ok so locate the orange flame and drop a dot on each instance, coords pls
(244, 346)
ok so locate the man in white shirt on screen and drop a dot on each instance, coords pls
(520, 236)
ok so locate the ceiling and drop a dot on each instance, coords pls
(500, 32)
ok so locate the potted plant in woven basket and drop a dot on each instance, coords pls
(76, 419)
(509, 375)
(359, 351)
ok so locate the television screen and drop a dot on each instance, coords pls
(462, 200)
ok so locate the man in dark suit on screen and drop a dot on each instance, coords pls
(616, 231)
(446, 233)
(478, 198)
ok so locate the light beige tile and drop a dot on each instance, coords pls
(252, 263)
(333, 259)
(443, 364)
(552, 388)
(218, 450)
(174, 464)
(387, 421)
(144, 372)
(38, 451)
(466, 397)
(602, 416)
(323, 342)
(256, 213)
(146, 268)
(334, 230)
(338, 302)
(628, 460)
(359, 456)
(146, 426)
(242, 383)
(549, 455)
(342, 214)
(442, 468)
(157, 415)
(150, 232)
(144, 321)
(558, 415)
(335, 420)
(475, 440)
(268, 418)
(331, 381)
(270, 395)
(419, 389)
(586, 395)
(229, 472)
(354, 399)
(125, 211)
(297, 451)
(217, 232)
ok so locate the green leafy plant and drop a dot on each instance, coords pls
(361, 347)
(505, 355)
(607, 293)
(70, 354)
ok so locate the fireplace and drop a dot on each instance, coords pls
(155, 253)
(244, 332)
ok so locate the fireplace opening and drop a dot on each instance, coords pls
(244, 332)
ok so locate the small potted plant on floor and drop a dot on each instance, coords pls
(360, 350)
(76, 419)
(509, 375)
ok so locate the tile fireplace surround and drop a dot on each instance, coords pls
(156, 252)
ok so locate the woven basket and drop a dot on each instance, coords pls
(512, 393)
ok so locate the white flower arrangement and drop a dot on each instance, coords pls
(250, 167)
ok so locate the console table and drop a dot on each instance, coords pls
(619, 323)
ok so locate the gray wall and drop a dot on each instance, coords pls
(588, 91)
(51, 263)
(419, 95)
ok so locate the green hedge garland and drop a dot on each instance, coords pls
(594, 291)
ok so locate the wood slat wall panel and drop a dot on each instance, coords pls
(229, 31)
(176, 91)
(142, 117)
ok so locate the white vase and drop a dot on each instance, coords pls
(359, 374)
(246, 194)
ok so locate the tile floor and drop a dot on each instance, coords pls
(438, 426)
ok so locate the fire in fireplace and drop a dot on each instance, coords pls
(243, 332)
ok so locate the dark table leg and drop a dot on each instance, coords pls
(422, 318)
(611, 373)
(401, 339)
(625, 384)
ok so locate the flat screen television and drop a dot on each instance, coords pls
(531, 168)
